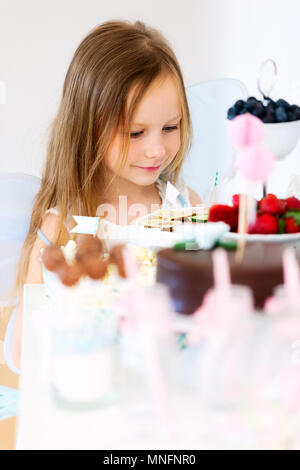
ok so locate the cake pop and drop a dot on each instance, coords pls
(53, 257)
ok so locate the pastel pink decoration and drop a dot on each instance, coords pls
(291, 276)
(221, 271)
(131, 266)
(246, 130)
(206, 319)
(289, 300)
(274, 306)
(146, 314)
(255, 164)
(139, 307)
(216, 302)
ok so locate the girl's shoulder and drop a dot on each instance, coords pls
(69, 223)
(53, 210)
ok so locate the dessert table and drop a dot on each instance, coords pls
(43, 425)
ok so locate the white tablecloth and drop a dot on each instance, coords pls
(43, 425)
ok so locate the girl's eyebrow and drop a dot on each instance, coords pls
(175, 118)
(170, 120)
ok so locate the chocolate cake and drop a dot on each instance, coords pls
(189, 274)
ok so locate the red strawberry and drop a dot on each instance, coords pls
(285, 204)
(236, 200)
(272, 205)
(266, 224)
(227, 214)
(291, 226)
(292, 203)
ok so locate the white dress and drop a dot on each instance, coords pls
(161, 186)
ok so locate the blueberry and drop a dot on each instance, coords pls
(282, 104)
(297, 113)
(249, 106)
(239, 105)
(251, 99)
(231, 113)
(258, 109)
(291, 116)
(243, 110)
(271, 104)
(268, 116)
(281, 115)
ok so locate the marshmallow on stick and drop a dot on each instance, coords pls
(246, 133)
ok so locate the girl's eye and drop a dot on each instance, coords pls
(134, 135)
(170, 128)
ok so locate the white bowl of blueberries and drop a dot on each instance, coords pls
(281, 119)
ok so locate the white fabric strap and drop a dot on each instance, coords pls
(8, 343)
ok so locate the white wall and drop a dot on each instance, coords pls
(212, 38)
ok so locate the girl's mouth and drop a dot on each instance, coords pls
(149, 168)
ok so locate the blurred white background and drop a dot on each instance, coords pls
(212, 39)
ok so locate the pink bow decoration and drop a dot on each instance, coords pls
(255, 164)
(245, 130)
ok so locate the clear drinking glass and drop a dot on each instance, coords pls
(83, 360)
(147, 353)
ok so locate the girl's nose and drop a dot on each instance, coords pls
(155, 148)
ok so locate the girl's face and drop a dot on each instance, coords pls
(154, 135)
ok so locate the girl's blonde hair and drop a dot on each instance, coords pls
(115, 58)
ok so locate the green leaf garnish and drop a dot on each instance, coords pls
(295, 214)
(186, 246)
(281, 226)
(199, 218)
(227, 244)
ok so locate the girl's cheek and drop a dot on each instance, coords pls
(134, 151)
(175, 143)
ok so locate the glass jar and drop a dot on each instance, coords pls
(83, 359)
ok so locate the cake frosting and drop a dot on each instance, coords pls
(189, 274)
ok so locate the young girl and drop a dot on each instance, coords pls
(122, 130)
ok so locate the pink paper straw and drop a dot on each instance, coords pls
(216, 301)
(143, 317)
(291, 277)
(221, 272)
(131, 266)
